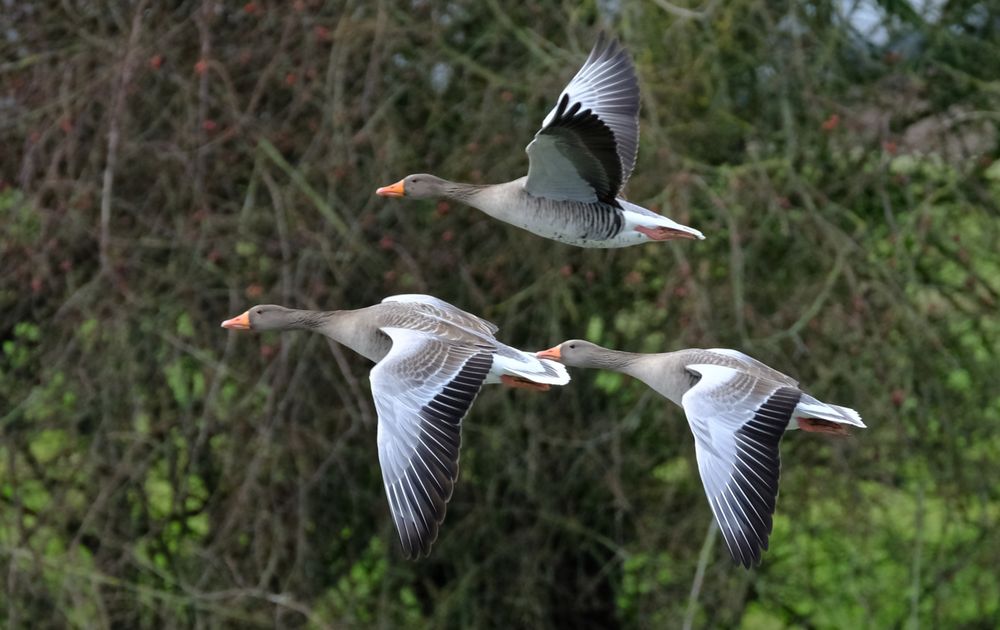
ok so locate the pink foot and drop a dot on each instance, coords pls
(664, 233)
(822, 426)
(523, 383)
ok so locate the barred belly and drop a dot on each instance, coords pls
(592, 224)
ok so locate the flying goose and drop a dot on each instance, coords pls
(738, 409)
(431, 359)
(578, 163)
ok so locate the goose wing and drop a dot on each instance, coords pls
(423, 388)
(441, 310)
(738, 420)
(756, 368)
(587, 146)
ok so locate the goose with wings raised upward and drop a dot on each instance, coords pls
(431, 361)
(738, 409)
(578, 163)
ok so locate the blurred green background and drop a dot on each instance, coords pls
(167, 165)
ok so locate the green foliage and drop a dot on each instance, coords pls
(355, 594)
(17, 351)
(185, 380)
(22, 224)
(642, 574)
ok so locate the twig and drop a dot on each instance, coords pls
(201, 600)
(915, 565)
(205, 52)
(817, 305)
(281, 226)
(699, 575)
(375, 59)
(114, 136)
(687, 14)
(331, 215)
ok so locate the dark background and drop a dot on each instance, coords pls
(167, 165)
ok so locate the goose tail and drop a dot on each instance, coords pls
(656, 226)
(513, 362)
(815, 415)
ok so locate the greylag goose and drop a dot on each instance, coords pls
(431, 361)
(578, 163)
(738, 409)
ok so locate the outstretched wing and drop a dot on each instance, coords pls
(586, 148)
(423, 388)
(737, 421)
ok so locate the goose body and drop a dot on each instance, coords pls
(738, 409)
(580, 160)
(431, 360)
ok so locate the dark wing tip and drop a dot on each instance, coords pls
(429, 482)
(561, 106)
(419, 547)
(752, 494)
(590, 147)
(423, 491)
(743, 549)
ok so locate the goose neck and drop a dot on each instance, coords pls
(616, 360)
(318, 321)
(459, 191)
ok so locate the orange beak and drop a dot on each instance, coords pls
(396, 190)
(240, 322)
(553, 353)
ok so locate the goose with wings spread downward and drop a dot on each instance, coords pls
(738, 408)
(431, 359)
(578, 163)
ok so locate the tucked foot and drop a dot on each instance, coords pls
(523, 383)
(664, 233)
(822, 426)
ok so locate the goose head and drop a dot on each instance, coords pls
(575, 353)
(264, 317)
(417, 186)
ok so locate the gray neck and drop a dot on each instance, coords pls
(318, 321)
(359, 331)
(459, 191)
(624, 362)
(663, 372)
(349, 328)
(506, 201)
(629, 363)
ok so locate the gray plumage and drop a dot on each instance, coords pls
(431, 361)
(738, 409)
(579, 161)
